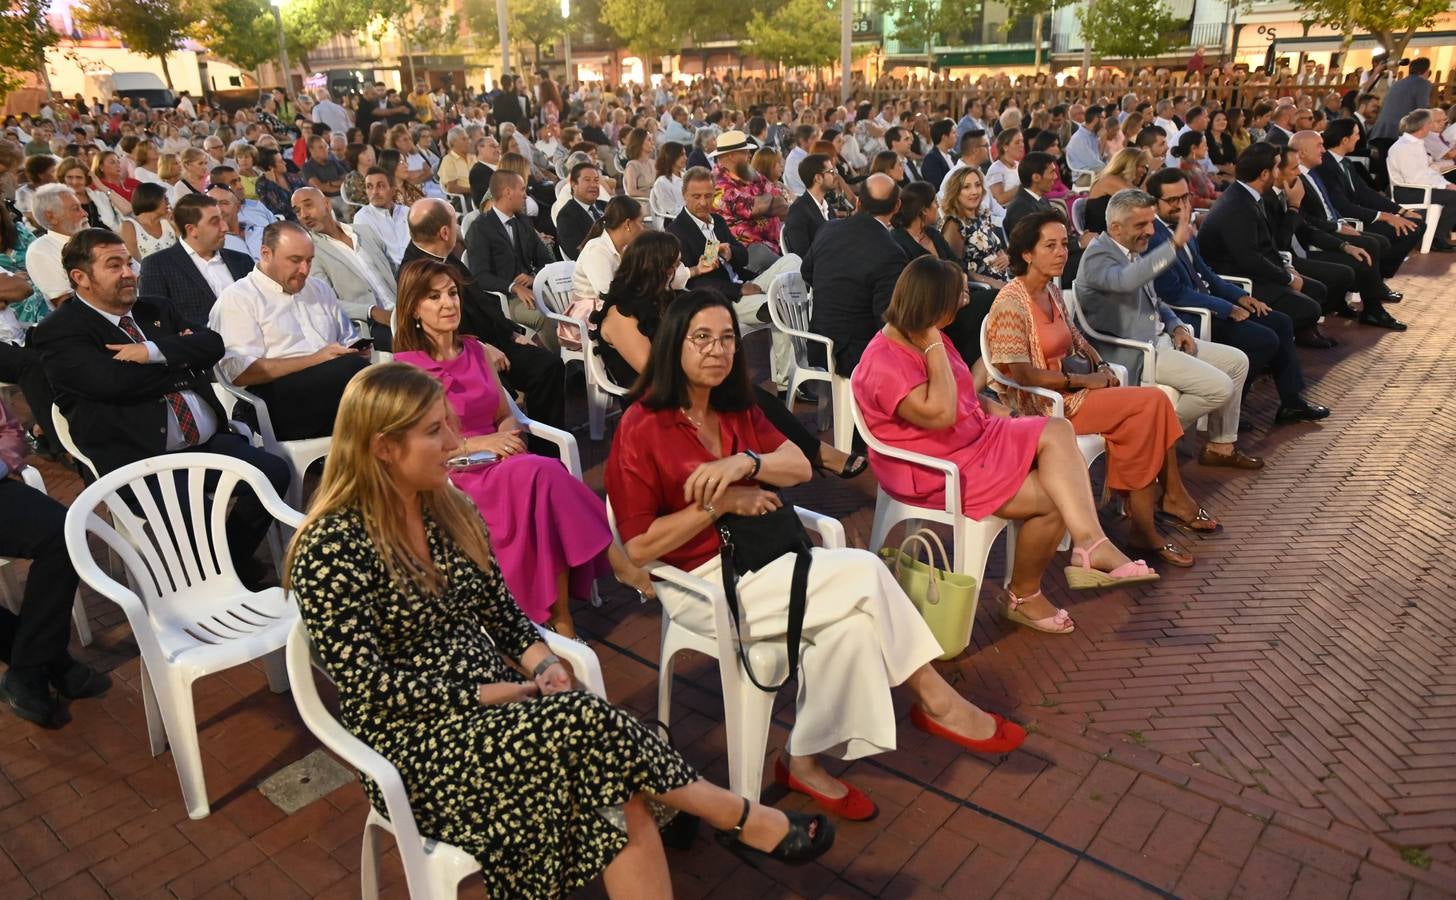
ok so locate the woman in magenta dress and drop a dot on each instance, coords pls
(916, 393)
(548, 530)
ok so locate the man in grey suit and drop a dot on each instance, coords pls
(1411, 93)
(365, 288)
(1114, 288)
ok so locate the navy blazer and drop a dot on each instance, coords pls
(1177, 286)
(171, 274)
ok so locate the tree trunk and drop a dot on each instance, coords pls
(166, 73)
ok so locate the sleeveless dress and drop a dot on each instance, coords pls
(542, 521)
(146, 244)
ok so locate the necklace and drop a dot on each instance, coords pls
(699, 423)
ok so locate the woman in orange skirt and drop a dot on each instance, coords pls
(1028, 334)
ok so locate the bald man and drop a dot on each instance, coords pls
(287, 339)
(364, 285)
(852, 267)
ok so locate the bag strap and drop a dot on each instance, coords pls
(798, 604)
(930, 541)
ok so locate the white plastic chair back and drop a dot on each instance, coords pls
(1079, 214)
(553, 286)
(63, 434)
(600, 389)
(299, 454)
(188, 611)
(791, 309)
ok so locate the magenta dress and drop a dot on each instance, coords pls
(993, 454)
(542, 521)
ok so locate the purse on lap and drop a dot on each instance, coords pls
(749, 544)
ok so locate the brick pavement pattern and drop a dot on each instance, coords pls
(1278, 721)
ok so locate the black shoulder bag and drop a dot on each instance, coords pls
(749, 544)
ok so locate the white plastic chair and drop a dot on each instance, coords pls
(461, 202)
(1433, 209)
(432, 869)
(63, 434)
(13, 596)
(792, 308)
(1079, 213)
(600, 389)
(746, 709)
(193, 616)
(552, 288)
(298, 454)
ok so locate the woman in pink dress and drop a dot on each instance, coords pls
(547, 529)
(916, 393)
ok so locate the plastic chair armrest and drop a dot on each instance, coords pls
(570, 453)
(580, 657)
(1204, 316)
(830, 530)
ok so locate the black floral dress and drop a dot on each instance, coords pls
(525, 788)
(983, 241)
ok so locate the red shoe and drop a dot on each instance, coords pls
(854, 805)
(1008, 734)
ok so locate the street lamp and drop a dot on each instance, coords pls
(566, 18)
(277, 7)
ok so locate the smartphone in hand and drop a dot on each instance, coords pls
(362, 344)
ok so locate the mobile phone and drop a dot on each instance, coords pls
(362, 344)
(710, 251)
(467, 461)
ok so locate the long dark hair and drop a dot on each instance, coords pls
(664, 384)
(619, 211)
(641, 289)
(667, 157)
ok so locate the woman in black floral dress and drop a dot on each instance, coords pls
(967, 227)
(393, 577)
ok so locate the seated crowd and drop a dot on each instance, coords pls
(994, 287)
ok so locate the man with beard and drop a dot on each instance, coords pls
(751, 205)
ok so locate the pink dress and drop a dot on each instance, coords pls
(993, 454)
(542, 521)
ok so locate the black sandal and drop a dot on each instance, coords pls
(809, 838)
(854, 466)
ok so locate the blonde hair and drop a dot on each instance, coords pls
(1124, 165)
(169, 168)
(386, 401)
(950, 201)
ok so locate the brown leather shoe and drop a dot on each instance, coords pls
(1238, 459)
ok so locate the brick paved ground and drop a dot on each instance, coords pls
(1279, 721)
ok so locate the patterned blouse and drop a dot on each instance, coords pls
(279, 200)
(983, 241)
(734, 202)
(1012, 337)
(33, 308)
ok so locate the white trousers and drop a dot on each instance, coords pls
(861, 637)
(781, 355)
(1211, 384)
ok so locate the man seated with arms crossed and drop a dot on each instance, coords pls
(582, 211)
(520, 364)
(1265, 335)
(383, 225)
(133, 380)
(364, 287)
(506, 253)
(194, 271)
(287, 338)
(1115, 291)
(325, 172)
(752, 206)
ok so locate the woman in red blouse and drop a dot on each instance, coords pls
(694, 447)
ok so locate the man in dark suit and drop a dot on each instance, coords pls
(810, 211)
(694, 225)
(1321, 252)
(902, 141)
(1411, 93)
(852, 267)
(1265, 335)
(1319, 210)
(1354, 199)
(192, 272)
(487, 158)
(505, 253)
(938, 160)
(1038, 172)
(131, 377)
(1237, 238)
(1281, 126)
(582, 211)
(512, 106)
(520, 364)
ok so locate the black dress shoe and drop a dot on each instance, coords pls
(1308, 412)
(1347, 312)
(1382, 319)
(78, 681)
(29, 697)
(1314, 340)
(1392, 297)
(1440, 247)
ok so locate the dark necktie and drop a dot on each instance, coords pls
(596, 214)
(1319, 185)
(186, 424)
(1349, 175)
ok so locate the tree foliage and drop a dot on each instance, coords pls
(649, 27)
(798, 33)
(25, 34)
(1395, 23)
(1129, 29)
(149, 27)
(240, 31)
(922, 22)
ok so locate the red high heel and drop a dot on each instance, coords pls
(854, 805)
(1007, 737)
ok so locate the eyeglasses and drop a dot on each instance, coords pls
(704, 341)
(1181, 198)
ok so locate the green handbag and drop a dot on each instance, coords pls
(946, 600)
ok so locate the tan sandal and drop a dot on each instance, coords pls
(1059, 622)
(1082, 577)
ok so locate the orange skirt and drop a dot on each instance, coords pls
(1139, 425)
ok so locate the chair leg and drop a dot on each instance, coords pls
(180, 718)
(276, 666)
(843, 418)
(746, 722)
(596, 411)
(156, 730)
(664, 674)
(369, 863)
(83, 624)
(1013, 531)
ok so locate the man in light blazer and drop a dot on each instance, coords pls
(365, 287)
(1115, 290)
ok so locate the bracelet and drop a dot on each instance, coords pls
(543, 665)
(757, 462)
(927, 350)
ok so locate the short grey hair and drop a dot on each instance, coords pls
(703, 135)
(454, 134)
(47, 201)
(1414, 121)
(1125, 202)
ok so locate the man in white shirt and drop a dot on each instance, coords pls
(804, 137)
(1409, 164)
(383, 225)
(244, 237)
(55, 207)
(365, 288)
(1441, 150)
(331, 114)
(287, 338)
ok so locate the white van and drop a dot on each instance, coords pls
(136, 85)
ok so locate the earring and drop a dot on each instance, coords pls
(419, 324)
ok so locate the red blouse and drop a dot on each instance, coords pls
(654, 452)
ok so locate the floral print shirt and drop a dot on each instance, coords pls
(734, 201)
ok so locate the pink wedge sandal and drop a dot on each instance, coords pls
(1059, 622)
(1082, 577)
